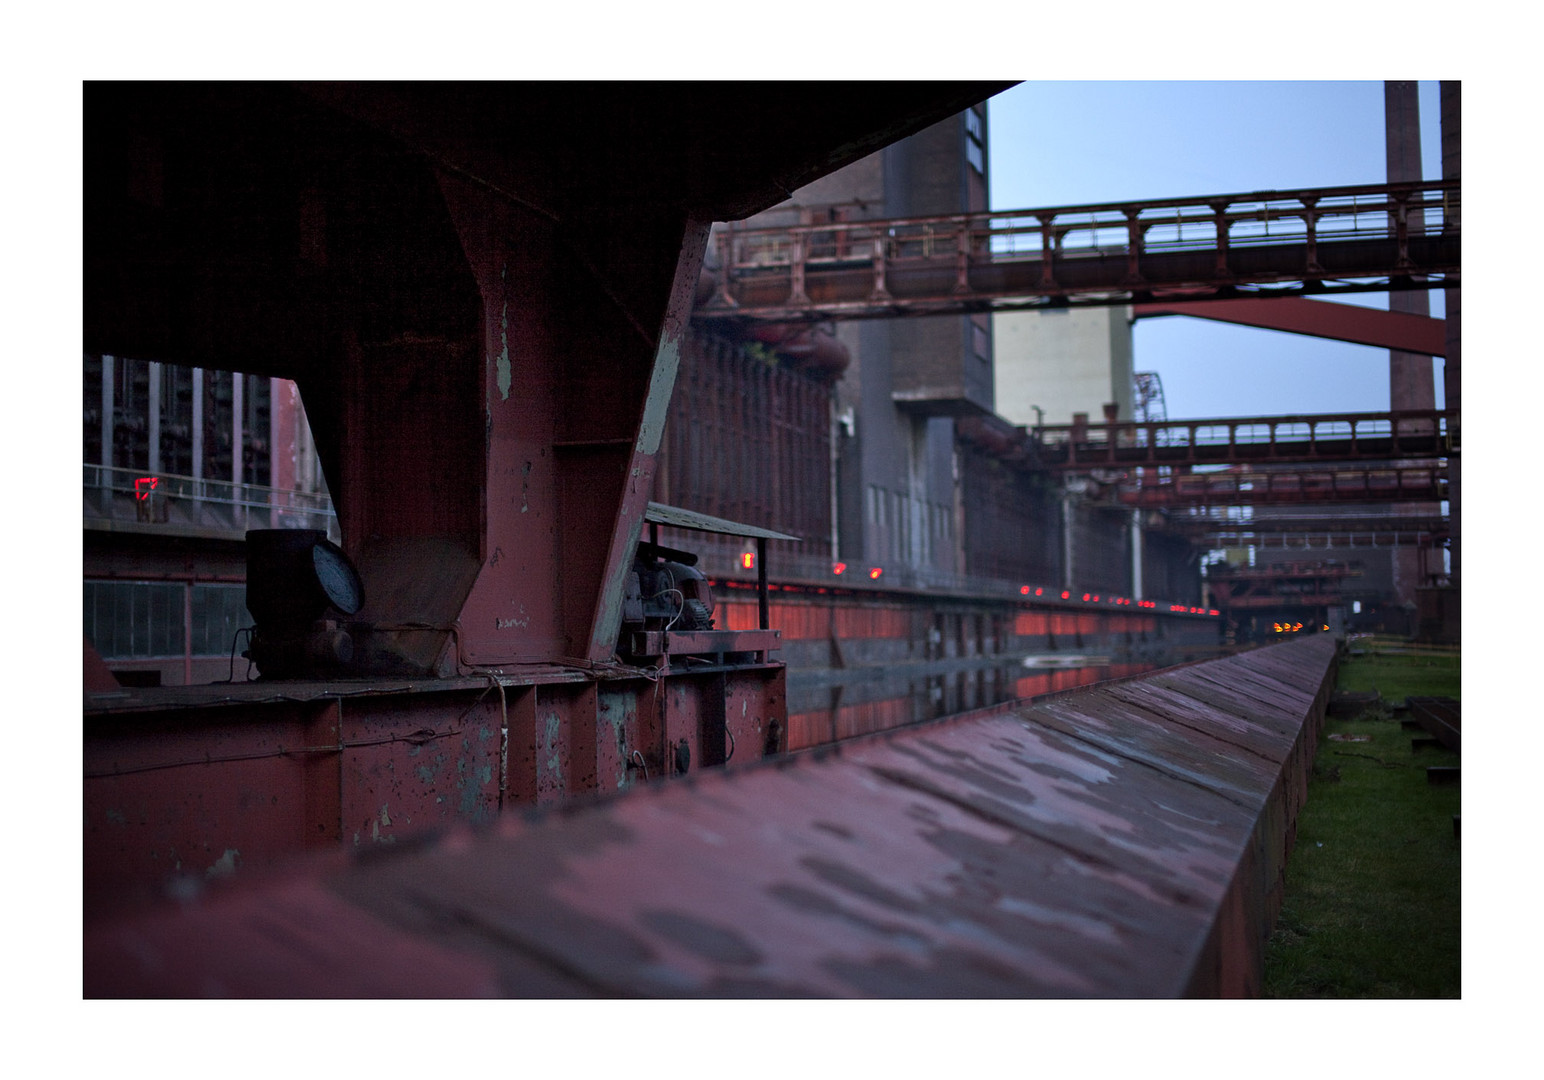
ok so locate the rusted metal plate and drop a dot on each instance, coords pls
(660, 514)
(1123, 841)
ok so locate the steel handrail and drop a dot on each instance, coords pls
(1112, 226)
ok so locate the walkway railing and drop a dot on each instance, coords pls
(1240, 440)
(201, 506)
(1323, 240)
(1352, 484)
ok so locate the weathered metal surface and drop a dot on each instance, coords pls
(659, 514)
(191, 784)
(1121, 841)
(1319, 318)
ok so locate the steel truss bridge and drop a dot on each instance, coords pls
(1322, 241)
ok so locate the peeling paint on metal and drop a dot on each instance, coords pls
(224, 866)
(667, 362)
(505, 376)
(1070, 847)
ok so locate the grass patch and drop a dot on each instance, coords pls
(1371, 907)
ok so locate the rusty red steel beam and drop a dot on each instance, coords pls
(1285, 570)
(1315, 523)
(1317, 318)
(186, 782)
(1307, 437)
(1325, 240)
(1300, 541)
(1284, 600)
(1303, 486)
(1126, 840)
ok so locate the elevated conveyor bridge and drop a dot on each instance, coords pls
(1322, 241)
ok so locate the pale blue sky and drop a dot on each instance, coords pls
(1058, 143)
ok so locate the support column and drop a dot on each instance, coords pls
(153, 406)
(1069, 517)
(238, 420)
(198, 426)
(283, 478)
(109, 396)
(1136, 556)
(1452, 383)
(1411, 384)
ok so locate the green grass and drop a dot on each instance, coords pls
(1371, 907)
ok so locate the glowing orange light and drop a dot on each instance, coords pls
(875, 572)
(838, 568)
(748, 560)
(1326, 626)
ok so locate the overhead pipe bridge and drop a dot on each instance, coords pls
(1323, 241)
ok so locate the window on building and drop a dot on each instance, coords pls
(975, 139)
(134, 619)
(218, 612)
(137, 620)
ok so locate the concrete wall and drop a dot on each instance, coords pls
(1065, 361)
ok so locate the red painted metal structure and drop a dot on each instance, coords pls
(482, 292)
(1285, 586)
(1127, 840)
(1287, 484)
(1326, 437)
(1209, 247)
(1318, 318)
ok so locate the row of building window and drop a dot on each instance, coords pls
(890, 516)
(144, 619)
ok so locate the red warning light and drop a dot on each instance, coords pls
(1066, 596)
(876, 571)
(144, 486)
(748, 560)
(839, 568)
(1039, 591)
(1214, 611)
(1024, 590)
(1085, 597)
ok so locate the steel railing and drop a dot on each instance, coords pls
(1321, 437)
(184, 502)
(1205, 242)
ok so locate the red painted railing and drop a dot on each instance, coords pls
(1322, 240)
